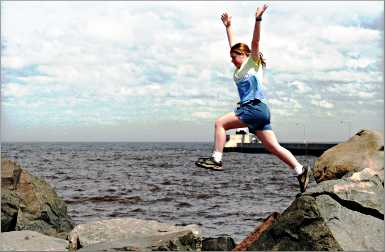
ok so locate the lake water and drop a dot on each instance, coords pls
(159, 181)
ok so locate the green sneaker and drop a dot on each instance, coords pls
(209, 163)
(303, 179)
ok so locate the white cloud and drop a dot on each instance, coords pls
(349, 35)
(353, 89)
(322, 104)
(203, 115)
(282, 112)
(276, 102)
(284, 106)
(174, 55)
(300, 86)
(315, 96)
(348, 76)
(15, 89)
(359, 63)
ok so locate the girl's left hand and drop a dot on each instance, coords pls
(261, 10)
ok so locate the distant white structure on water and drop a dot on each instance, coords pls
(240, 137)
(245, 142)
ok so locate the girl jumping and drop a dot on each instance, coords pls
(253, 111)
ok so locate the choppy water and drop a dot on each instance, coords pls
(159, 181)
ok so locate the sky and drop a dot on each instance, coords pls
(161, 71)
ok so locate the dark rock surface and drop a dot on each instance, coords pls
(224, 243)
(10, 204)
(30, 203)
(300, 227)
(254, 236)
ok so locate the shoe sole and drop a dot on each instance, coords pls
(214, 168)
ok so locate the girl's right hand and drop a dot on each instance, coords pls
(261, 10)
(226, 19)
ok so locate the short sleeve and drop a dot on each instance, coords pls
(254, 64)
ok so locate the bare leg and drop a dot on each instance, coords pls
(226, 122)
(270, 142)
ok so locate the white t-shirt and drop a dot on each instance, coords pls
(248, 79)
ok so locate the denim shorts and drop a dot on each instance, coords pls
(255, 114)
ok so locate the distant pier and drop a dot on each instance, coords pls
(313, 149)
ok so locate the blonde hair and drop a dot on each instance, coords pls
(241, 48)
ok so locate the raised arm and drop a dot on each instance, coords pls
(257, 31)
(226, 19)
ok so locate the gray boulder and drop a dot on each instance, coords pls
(364, 150)
(30, 203)
(361, 192)
(173, 241)
(341, 214)
(27, 240)
(134, 234)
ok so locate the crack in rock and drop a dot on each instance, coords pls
(352, 205)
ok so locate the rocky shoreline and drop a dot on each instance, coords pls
(344, 211)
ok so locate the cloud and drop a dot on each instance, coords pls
(128, 61)
(326, 104)
(353, 89)
(16, 90)
(349, 35)
(203, 115)
(300, 86)
(360, 63)
(319, 102)
(285, 104)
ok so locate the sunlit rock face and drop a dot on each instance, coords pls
(364, 150)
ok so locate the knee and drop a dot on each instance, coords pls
(218, 123)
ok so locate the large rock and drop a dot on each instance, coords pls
(27, 240)
(361, 191)
(173, 241)
(341, 214)
(30, 203)
(364, 150)
(134, 234)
